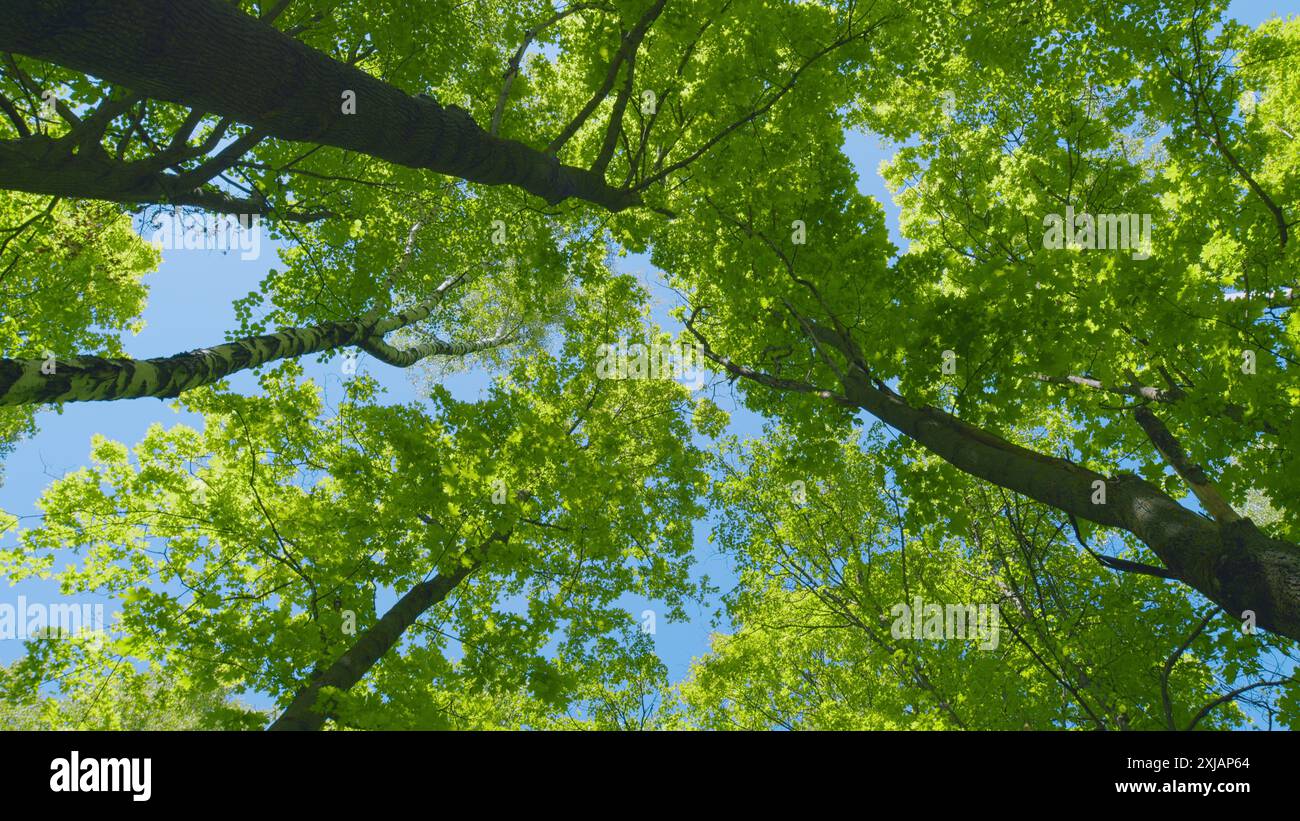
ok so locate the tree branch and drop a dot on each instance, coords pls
(305, 712)
(631, 42)
(210, 55)
(1191, 473)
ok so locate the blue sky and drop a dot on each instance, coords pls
(190, 301)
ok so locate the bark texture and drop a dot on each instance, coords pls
(211, 56)
(94, 378)
(307, 711)
(1231, 563)
(39, 164)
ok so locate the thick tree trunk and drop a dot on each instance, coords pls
(1233, 564)
(304, 713)
(209, 55)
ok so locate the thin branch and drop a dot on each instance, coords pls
(631, 42)
(1193, 474)
(1169, 667)
(15, 117)
(1122, 565)
(512, 71)
(758, 112)
(1230, 696)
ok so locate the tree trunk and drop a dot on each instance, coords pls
(209, 55)
(303, 713)
(1233, 564)
(95, 379)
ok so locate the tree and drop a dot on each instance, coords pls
(219, 60)
(82, 379)
(136, 146)
(1090, 340)
(994, 320)
(503, 525)
(1072, 644)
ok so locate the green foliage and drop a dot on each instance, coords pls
(70, 282)
(241, 551)
(102, 693)
(256, 536)
(817, 645)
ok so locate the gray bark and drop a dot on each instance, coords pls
(1232, 563)
(94, 378)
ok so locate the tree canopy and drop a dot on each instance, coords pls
(1060, 399)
